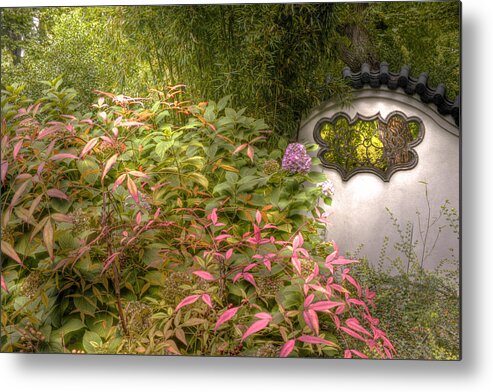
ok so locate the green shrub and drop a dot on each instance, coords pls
(418, 307)
(149, 225)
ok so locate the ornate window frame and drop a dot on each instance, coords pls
(383, 175)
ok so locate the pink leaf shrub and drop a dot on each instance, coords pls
(227, 315)
(187, 301)
(327, 290)
(115, 206)
(264, 320)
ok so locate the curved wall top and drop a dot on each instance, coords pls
(411, 86)
(361, 203)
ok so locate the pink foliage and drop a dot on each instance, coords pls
(56, 193)
(89, 146)
(227, 315)
(204, 275)
(206, 298)
(187, 301)
(316, 340)
(257, 326)
(324, 292)
(4, 285)
(287, 348)
(60, 156)
(109, 164)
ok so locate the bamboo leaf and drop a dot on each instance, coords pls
(132, 189)
(109, 165)
(48, 238)
(199, 179)
(19, 192)
(35, 204)
(57, 193)
(9, 251)
(89, 146)
(24, 215)
(38, 227)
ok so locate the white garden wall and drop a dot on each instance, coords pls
(358, 208)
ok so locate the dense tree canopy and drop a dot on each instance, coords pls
(277, 60)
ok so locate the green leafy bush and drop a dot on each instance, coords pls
(118, 220)
(418, 307)
(72, 41)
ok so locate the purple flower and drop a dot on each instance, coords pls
(296, 159)
(328, 189)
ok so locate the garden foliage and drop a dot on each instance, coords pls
(419, 307)
(278, 60)
(160, 226)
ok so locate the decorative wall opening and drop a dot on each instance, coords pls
(368, 144)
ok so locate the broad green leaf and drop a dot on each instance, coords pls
(274, 196)
(60, 205)
(89, 170)
(155, 278)
(231, 177)
(191, 125)
(101, 324)
(197, 162)
(291, 297)
(249, 183)
(223, 188)
(212, 151)
(312, 147)
(27, 248)
(152, 256)
(209, 114)
(163, 147)
(66, 240)
(327, 200)
(275, 154)
(237, 290)
(230, 113)
(156, 107)
(85, 305)
(223, 102)
(161, 116)
(317, 177)
(114, 344)
(91, 341)
(72, 325)
(259, 125)
(199, 179)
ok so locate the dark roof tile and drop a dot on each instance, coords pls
(410, 85)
